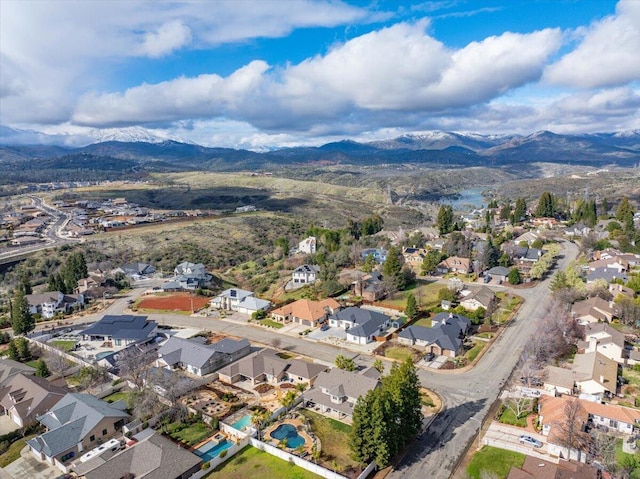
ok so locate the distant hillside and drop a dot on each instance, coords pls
(435, 149)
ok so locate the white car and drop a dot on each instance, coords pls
(529, 441)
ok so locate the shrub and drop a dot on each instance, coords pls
(223, 453)
(207, 465)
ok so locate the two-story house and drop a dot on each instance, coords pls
(305, 274)
(50, 303)
(239, 300)
(361, 325)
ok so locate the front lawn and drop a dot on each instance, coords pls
(13, 452)
(252, 462)
(508, 303)
(334, 438)
(400, 353)
(270, 323)
(474, 351)
(65, 346)
(494, 461)
(189, 434)
(509, 417)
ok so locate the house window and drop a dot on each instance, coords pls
(104, 432)
(92, 438)
(613, 423)
(118, 342)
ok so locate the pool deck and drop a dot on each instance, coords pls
(308, 441)
(211, 438)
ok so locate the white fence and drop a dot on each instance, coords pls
(215, 462)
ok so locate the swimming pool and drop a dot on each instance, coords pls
(290, 434)
(103, 354)
(241, 423)
(212, 449)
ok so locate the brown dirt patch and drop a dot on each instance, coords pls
(174, 302)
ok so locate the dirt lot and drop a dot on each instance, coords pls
(174, 302)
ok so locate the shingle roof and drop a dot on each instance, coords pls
(9, 367)
(365, 322)
(196, 354)
(351, 384)
(29, 395)
(70, 420)
(122, 327)
(447, 334)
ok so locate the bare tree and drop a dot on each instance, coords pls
(276, 342)
(517, 404)
(570, 431)
(92, 377)
(132, 363)
(604, 448)
(57, 364)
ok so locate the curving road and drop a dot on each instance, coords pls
(467, 395)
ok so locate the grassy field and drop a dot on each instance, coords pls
(426, 293)
(120, 395)
(13, 452)
(426, 322)
(508, 302)
(509, 417)
(191, 434)
(494, 461)
(251, 462)
(63, 345)
(474, 351)
(334, 437)
(398, 352)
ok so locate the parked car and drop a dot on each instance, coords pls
(429, 357)
(529, 441)
(324, 327)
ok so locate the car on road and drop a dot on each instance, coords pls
(156, 288)
(529, 441)
(130, 301)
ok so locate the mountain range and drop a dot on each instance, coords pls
(435, 149)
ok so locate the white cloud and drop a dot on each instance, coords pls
(608, 55)
(169, 37)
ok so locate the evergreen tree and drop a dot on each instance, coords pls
(392, 269)
(514, 276)
(505, 212)
(431, 261)
(369, 263)
(12, 351)
(624, 214)
(519, 212)
(25, 284)
(491, 254)
(21, 320)
(411, 308)
(604, 207)
(42, 371)
(445, 223)
(546, 205)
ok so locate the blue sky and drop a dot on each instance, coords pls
(260, 74)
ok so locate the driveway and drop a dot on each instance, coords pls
(7, 425)
(28, 466)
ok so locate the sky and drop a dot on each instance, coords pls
(265, 74)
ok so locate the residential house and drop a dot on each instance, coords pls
(616, 263)
(306, 312)
(437, 244)
(444, 338)
(371, 287)
(136, 270)
(379, 255)
(239, 300)
(307, 245)
(455, 264)
(198, 358)
(9, 368)
(50, 303)
(618, 289)
(336, 391)
(593, 310)
(24, 397)
(95, 279)
(305, 274)
(361, 325)
(536, 468)
(266, 366)
(525, 258)
(527, 237)
(121, 330)
(188, 276)
(482, 297)
(151, 457)
(414, 255)
(590, 373)
(499, 273)
(76, 423)
(606, 340)
(608, 274)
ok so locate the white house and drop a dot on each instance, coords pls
(361, 325)
(239, 300)
(307, 245)
(50, 303)
(305, 274)
(606, 340)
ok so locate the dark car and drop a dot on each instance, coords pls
(324, 327)
(429, 357)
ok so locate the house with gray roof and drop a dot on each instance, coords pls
(52, 302)
(608, 274)
(305, 274)
(152, 457)
(443, 338)
(499, 273)
(481, 297)
(240, 300)
(188, 277)
(121, 330)
(336, 391)
(136, 269)
(77, 423)
(24, 397)
(361, 325)
(266, 366)
(198, 358)
(9, 367)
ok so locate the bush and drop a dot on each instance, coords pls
(207, 465)
(223, 453)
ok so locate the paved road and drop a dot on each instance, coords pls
(468, 395)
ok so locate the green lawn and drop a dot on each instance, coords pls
(426, 293)
(191, 434)
(508, 302)
(334, 437)
(628, 459)
(474, 351)
(33, 363)
(271, 323)
(13, 452)
(632, 376)
(509, 417)
(117, 396)
(398, 352)
(426, 322)
(63, 345)
(494, 460)
(252, 462)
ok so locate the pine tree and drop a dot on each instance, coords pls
(411, 308)
(546, 205)
(12, 351)
(392, 269)
(445, 223)
(369, 263)
(624, 214)
(519, 212)
(21, 319)
(42, 371)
